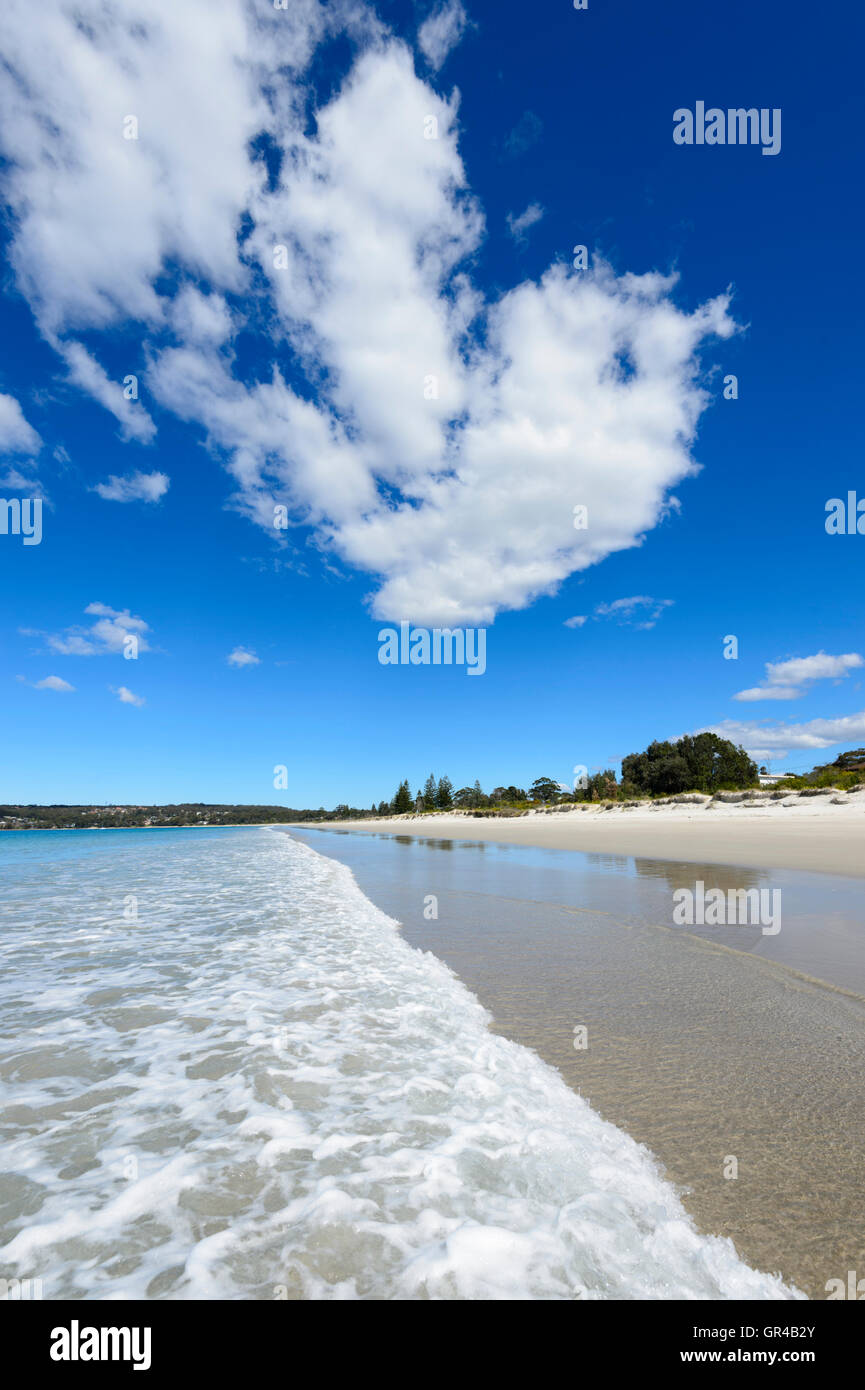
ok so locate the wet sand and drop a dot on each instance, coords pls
(708, 1045)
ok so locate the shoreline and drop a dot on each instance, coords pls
(696, 1047)
(827, 838)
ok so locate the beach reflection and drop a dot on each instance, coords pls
(685, 875)
(702, 1041)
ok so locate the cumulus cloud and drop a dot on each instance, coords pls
(432, 436)
(762, 740)
(242, 656)
(519, 226)
(127, 696)
(16, 436)
(441, 31)
(100, 214)
(111, 633)
(789, 680)
(640, 611)
(135, 487)
(576, 621)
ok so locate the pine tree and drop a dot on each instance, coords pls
(429, 793)
(444, 794)
(402, 801)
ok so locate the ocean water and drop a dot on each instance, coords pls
(226, 1074)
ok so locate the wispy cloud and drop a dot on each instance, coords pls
(135, 487)
(126, 696)
(526, 132)
(640, 611)
(576, 621)
(519, 226)
(242, 656)
(441, 31)
(109, 634)
(16, 435)
(90, 376)
(49, 683)
(789, 680)
(762, 739)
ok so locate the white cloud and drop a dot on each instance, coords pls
(576, 621)
(776, 740)
(518, 226)
(437, 440)
(53, 683)
(789, 680)
(13, 480)
(241, 656)
(765, 692)
(200, 318)
(109, 634)
(100, 214)
(640, 611)
(85, 371)
(16, 436)
(126, 696)
(441, 31)
(135, 487)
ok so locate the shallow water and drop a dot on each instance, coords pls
(225, 1073)
(705, 1044)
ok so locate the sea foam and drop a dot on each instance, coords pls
(258, 1089)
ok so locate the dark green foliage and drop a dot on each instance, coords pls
(544, 789)
(444, 794)
(403, 802)
(697, 762)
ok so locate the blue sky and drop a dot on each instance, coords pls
(303, 386)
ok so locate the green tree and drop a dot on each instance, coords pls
(702, 761)
(430, 791)
(444, 794)
(543, 789)
(402, 801)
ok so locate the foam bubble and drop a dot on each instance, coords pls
(259, 1089)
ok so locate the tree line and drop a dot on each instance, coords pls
(696, 762)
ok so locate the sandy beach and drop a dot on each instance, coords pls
(819, 834)
(704, 1044)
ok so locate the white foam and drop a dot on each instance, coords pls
(261, 1090)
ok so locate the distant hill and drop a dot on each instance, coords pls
(128, 817)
